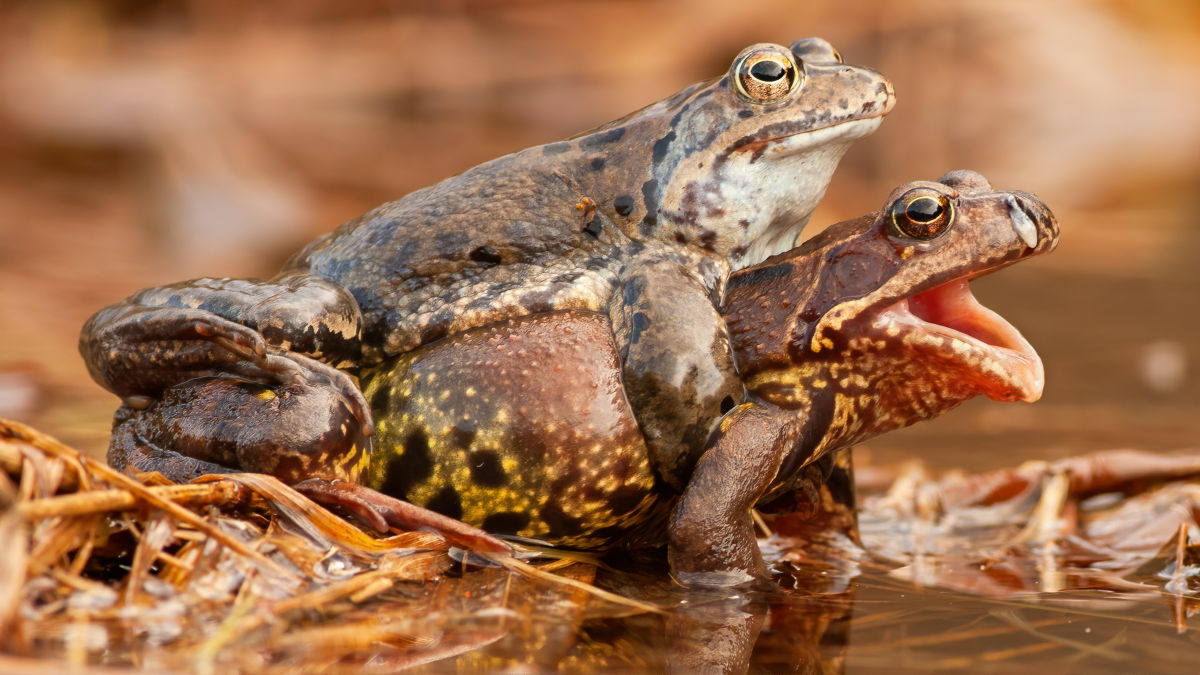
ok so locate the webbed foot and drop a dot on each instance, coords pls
(226, 424)
(137, 352)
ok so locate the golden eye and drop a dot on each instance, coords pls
(766, 74)
(922, 214)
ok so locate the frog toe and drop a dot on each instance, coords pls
(329, 493)
(135, 351)
(383, 512)
(291, 369)
(233, 336)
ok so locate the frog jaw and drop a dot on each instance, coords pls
(972, 343)
(754, 202)
(837, 131)
(790, 180)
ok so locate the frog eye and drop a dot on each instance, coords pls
(922, 214)
(766, 74)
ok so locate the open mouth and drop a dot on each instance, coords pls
(948, 321)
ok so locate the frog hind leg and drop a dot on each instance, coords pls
(288, 331)
(225, 424)
(304, 437)
(129, 451)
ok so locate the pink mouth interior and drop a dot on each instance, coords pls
(1008, 366)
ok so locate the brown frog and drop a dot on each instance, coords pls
(524, 427)
(643, 217)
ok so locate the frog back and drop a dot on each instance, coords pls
(504, 239)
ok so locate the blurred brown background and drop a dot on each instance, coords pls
(145, 142)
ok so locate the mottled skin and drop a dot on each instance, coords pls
(524, 427)
(861, 330)
(642, 219)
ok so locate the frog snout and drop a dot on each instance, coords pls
(1033, 221)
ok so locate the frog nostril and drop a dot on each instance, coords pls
(1022, 221)
(1041, 215)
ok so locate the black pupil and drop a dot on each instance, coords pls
(767, 71)
(923, 210)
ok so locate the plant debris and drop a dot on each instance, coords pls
(1119, 520)
(241, 573)
(233, 571)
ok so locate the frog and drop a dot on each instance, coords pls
(885, 333)
(643, 218)
(523, 428)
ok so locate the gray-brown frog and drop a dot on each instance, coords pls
(523, 427)
(642, 218)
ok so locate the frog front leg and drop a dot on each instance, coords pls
(677, 363)
(291, 330)
(711, 534)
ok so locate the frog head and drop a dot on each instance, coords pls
(873, 321)
(736, 165)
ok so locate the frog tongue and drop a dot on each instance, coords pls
(991, 349)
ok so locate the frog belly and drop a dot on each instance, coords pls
(520, 427)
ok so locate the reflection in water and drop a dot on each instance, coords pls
(779, 633)
(714, 637)
(108, 154)
(1060, 562)
(728, 631)
(801, 623)
(1074, 563)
